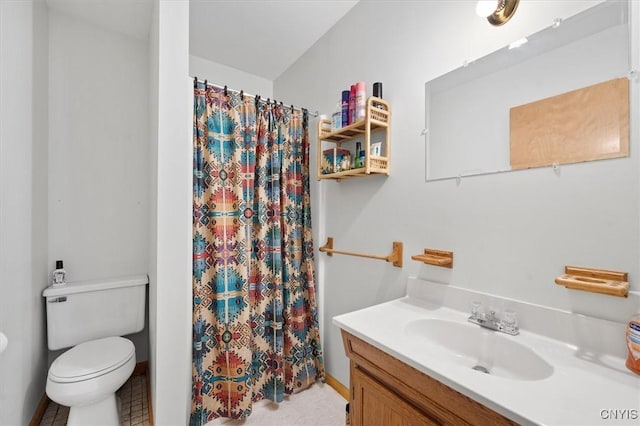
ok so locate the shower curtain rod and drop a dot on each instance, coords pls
(313, 114)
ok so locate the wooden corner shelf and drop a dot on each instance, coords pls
(601, 281)
(377, 117)
(435, 257)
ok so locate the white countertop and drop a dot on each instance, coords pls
(583, 384)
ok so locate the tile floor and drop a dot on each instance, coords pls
(134, 412)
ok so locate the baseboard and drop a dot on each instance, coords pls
(339, 387)
(40, 409)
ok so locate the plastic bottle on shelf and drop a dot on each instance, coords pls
(377, 93)
(377, 89)
(361, 100)
(336, 118)
(324, 126)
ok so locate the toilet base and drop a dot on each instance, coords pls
(102, 413)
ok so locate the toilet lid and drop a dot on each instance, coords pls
(91, 359)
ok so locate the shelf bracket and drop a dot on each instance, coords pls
(435, 257)
(395, 257)
(613, 283)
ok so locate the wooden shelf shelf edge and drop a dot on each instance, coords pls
(602, 281)
(435, 257)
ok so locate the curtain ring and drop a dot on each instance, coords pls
(205, 83)
(225, 90)
(242, 94)
(195, 82)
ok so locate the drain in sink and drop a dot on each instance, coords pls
(481, 369)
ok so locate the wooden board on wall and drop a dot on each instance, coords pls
(587, 124)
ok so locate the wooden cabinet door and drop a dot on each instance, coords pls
(375, 405)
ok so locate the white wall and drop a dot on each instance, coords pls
(170, 262)
(23, 220)
(98, 156)
(233, 78)
(98, 153)
(511, 233)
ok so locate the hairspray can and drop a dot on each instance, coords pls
(352, 104)
(345, 108)
(361, 100)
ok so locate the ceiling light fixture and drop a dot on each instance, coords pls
(497, 12)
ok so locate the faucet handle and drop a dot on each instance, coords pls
(509, 320)
(491, 315)
(476, 309)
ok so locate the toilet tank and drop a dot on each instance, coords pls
(85, 310)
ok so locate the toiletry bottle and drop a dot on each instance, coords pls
(336, 118)
(352, 105)
(356, 161)
(377, 89)
(377, 93)
(324, 125)
(633, 344)
(58, 275)
(346, 162)
(345, 108)
(361, 100)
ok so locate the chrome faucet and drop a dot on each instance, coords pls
(507, 324)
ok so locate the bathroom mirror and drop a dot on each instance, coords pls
(467, 109)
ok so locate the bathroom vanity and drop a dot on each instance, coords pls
(386, 391)
(419, 361)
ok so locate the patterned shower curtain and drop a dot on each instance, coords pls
(255, 327)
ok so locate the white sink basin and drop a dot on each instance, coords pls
(486, 351)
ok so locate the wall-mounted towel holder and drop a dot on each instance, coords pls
(435, 257)
(395, 257)
(613, 283)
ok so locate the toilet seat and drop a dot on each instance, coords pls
(91, 359)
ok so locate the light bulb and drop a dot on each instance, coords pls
(485, 8)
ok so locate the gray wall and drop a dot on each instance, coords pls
(511, 233)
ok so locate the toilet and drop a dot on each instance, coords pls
(90, 317)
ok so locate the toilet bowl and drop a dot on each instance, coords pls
(86, 377)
